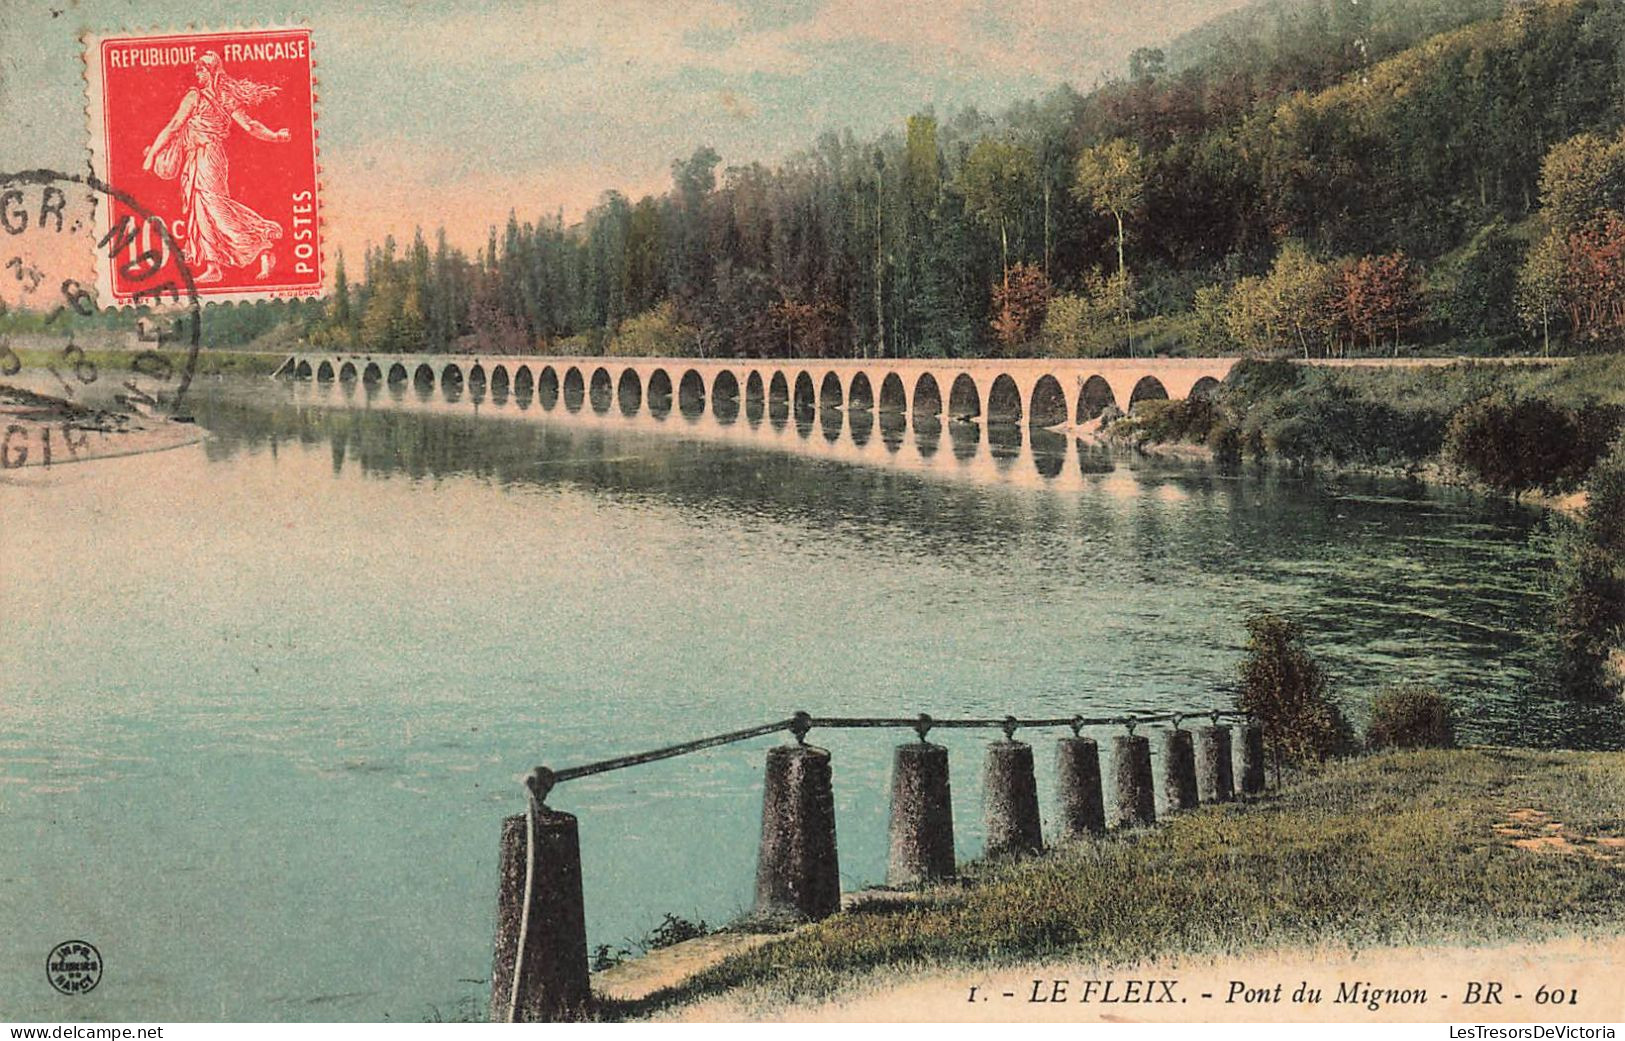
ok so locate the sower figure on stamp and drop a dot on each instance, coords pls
(216, 230)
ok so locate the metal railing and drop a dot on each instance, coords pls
(542, 780)
(540, 969)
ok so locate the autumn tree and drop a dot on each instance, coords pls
(1019, 306)
(1379, 294)
(1596, 278)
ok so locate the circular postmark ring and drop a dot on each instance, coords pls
(154, 361)
(74, 967)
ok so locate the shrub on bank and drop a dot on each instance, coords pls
(1516, 444)
(1286, 690)
(1410, 715)
(1590, 581)
(1186, 419)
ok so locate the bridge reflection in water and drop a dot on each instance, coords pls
(1009, 453)
(993, 414)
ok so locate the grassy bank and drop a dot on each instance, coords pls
(209, 362)
(1361, 417)
(1419, 847)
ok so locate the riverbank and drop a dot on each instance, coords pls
(39, 352)
(41, 430)
(1425, 849)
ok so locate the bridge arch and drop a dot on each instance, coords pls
(1004, 401)
(964, 400)
(1095, 398)
(629, 391)
(691, 394)
(601, 391)
(893, 398)
(660, 393)
(324, 372)
(476, 380)
(303, 370)
(1149, 388)
(372, 373)
(860, 395)
(829, 392)
(501, 382)
(1048, 406)
(805, 400)
(755, 397)
(423, 377)
(725, 396)
(1205, 389)
(575, 389)
(397, 373)
(451, 375)
(927, 396)
(524, 384)
(778, 389)
(347, 372)
(547, 387)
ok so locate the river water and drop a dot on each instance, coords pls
(267, 698)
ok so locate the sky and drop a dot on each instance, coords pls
(437, 114)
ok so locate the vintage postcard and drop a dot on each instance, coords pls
(780, 511)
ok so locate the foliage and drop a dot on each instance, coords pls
(1481, 299)
(1410, 715)
(1518, 443)
(1186, 419)
(1019, 306)
(1379, 294)
(1111, 178)
(672, 929)
(1286, 690)
(1590, 584)
(1089, 323)
(657, 332)
(998, 176)
(1542, 286)
(1308, 160)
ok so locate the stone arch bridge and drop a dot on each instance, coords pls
(1041, 391)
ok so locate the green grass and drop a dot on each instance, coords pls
(209, 362)
(1388, 849)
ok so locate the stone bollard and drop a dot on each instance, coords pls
(1010, 799)
(1250, 739)
(796, 871)
(1178, 771)
(1133, 802)
(1077, 780)
(552, 983)
(922, 816)
(1215, 780)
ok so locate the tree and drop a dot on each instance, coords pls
(1596, 279)
(997, 177)
(1146, 64)
(1111, 179)
(1378, 294)
(1089, 323)
(1542, 282)
(1019, 306)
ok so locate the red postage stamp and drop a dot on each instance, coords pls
(214, 134)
